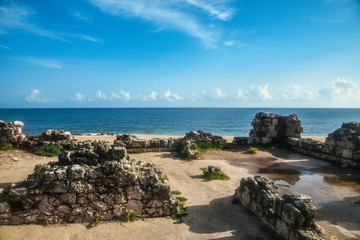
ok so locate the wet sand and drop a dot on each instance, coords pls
(334, 190)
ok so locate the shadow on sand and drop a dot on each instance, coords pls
(221, 215)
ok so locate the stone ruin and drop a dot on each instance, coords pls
(49, 137)
(291, 216)
(132, 142)
(186, 144)
(342, 146)
(270, 128)
(96, 183)
(11, 132)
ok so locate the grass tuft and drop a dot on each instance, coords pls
(130, 216)
(7, 147)
(176, 192)
(48, 150)
(252, 150)
(164, 178)
(93, 223)
(215, 175)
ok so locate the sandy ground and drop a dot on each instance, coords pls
(335, 192)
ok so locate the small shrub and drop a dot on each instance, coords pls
(164, 178)
(208, 145)
(252, 150)
(176, 192)
(214, 175)
(130, 216)
(182, 211)
(48, 150)
(6, 147)
(93, 223)
(182, 155)
(181, 199)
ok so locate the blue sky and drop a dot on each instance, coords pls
(180, 53)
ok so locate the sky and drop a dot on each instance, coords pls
(180, 53)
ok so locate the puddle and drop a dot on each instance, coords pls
(346, 181)
(289, 175)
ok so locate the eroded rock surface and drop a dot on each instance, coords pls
(291, 216)
(99, 182)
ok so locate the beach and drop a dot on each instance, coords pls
(211, 213)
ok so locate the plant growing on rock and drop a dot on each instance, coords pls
(93, 223)
(175, 192)
(130, 216)
(213, 173)
(252, 150)
(48, 150)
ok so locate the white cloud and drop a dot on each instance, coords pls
(171, 14)
(264, 92)
(80, 97)
(219, 93)
(81, 16)
(14, 16)
(50, 63)
(216, 8)
(229, 43)
(342, 90)
(126, 95)
(36, 97)
(240, 94)
(171, 96)
(295, 92)
(153, 95)
(102, 96)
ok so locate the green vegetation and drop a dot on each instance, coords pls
(7, 147)
(208, 145)
(181, 199)
(182, 210)
(182, 155)
(252, 150)
(137, 151)
(176, 192)
(48, 150)
(213, 175)
(164, 178)
(203, 147)
(130, 216)
(93, 223)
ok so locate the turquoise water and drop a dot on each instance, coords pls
(170, 121)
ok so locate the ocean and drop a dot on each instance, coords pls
(170, 121)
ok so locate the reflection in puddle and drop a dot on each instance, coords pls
(288, 175)
(346, 181)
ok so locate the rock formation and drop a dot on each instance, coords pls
(291, 216)
(342, 146)
(11, 132)
(273, 128)
(99, 182)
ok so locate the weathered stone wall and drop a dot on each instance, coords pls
(291, 216)
(273, 128)
(11, 132)
(186, 144)
(92, 183)
(342, 146)
(133, 142)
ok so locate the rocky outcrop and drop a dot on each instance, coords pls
(99, 182)
(11, 132)
(270, 128)
(291, 216)
(342, 146)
